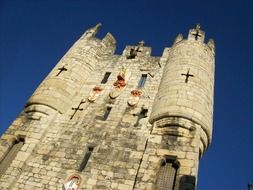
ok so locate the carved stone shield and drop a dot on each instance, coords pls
(72, 183)
(115, 92)
(94, 94)
(120, 83)
(133, 100)
(134, 97)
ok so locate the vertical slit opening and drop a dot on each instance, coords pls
(107, 112)
(106, 77)
(142, 81)
(86, 158)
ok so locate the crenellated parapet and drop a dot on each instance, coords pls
(134, 52)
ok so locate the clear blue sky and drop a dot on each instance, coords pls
(35, 34)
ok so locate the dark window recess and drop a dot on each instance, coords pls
(188, 182)
(167, 175)
(141, 115)
(142, 81)
(134, 51)
(133, 54)
(86, 158)
(106, 77)
(107, 112)
(5, 163)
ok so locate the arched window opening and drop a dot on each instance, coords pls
(167, 174)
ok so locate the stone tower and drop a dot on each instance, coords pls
(121, 122)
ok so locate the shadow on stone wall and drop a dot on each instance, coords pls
(187, 182)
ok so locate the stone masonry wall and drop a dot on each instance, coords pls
(66, 118)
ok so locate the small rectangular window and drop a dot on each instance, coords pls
(107, 112)
(86, 158)
(106, 76)
(142, 81)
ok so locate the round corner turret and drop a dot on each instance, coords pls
(187, 85)
(67, 78)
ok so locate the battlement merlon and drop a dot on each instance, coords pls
(108, 42)
(91, 32)
(138, 50)
(197, 35)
